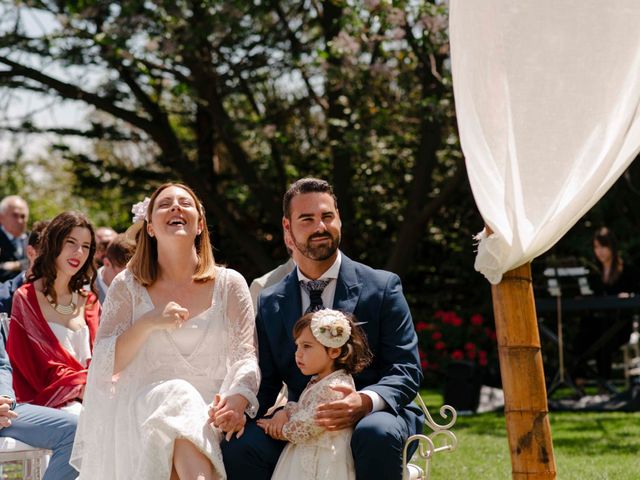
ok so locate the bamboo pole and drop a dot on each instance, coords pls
(525, 394)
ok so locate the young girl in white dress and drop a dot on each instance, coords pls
(331, 347)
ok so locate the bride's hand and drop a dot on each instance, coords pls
(228, 414)
(168, 318)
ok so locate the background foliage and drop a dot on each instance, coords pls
(448, 337)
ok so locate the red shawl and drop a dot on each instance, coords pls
(44, 372)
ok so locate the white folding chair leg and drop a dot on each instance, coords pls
(33, 459)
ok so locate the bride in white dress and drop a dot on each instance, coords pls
(175, 331)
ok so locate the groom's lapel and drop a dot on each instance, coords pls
(289, 303)
(348, 287)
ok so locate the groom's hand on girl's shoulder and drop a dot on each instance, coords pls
(345, 412)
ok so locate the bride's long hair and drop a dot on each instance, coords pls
(144, 263)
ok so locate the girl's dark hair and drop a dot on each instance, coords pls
(606, 238)
(355, 355)
(50, 246)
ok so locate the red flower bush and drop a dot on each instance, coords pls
(450, 337)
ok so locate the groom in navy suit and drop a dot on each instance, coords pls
(380, 410)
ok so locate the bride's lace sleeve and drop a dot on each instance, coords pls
(95, 425)
(291, 408)
(301, 426)
(117, 316)
(117, 311)
(243, 375)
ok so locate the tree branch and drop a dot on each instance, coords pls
(411, 230)
(97, 133)
(296, 50)
(73, 92)
(162, 133)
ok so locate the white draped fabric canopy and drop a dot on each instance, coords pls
(547, 97)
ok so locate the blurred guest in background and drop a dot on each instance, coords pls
(614, 277)
(8, 288)
(104, 236)
(14, 216)
(117, 255)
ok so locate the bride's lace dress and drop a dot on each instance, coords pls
(129, 423)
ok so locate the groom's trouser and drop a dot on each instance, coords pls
(49, 428)
(376, 445)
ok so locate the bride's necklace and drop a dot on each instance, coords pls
(64, 309)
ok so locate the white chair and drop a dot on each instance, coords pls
(631, 356)
(34, 460)
(5, 319)
(441, 439)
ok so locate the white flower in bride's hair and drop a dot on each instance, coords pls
(330, 327)
(139, 210)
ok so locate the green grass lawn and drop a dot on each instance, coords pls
(603, 446)
(586, 445)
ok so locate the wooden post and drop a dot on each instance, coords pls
(525, 394)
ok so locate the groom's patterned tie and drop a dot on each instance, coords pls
(314, 288)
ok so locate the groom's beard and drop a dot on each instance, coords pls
(318, 252)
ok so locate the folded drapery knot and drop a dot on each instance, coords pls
(314, 288)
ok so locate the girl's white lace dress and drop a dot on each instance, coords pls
(128, 424)
(314, 453)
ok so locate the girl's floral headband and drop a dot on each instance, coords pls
(331, 328)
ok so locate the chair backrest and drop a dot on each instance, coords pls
(440, 439)
(5, 319)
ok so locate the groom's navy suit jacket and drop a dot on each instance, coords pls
(375, 297)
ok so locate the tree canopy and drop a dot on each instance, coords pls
(238, 98)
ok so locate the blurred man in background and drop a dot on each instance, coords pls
(14, 216)
(104, 236)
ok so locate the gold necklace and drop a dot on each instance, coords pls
(64, 309)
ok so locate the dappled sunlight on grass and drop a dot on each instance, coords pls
(594, 445)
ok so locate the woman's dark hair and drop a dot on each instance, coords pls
(355, 355)
(50, 246)
(35, 235)
(606, 238)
